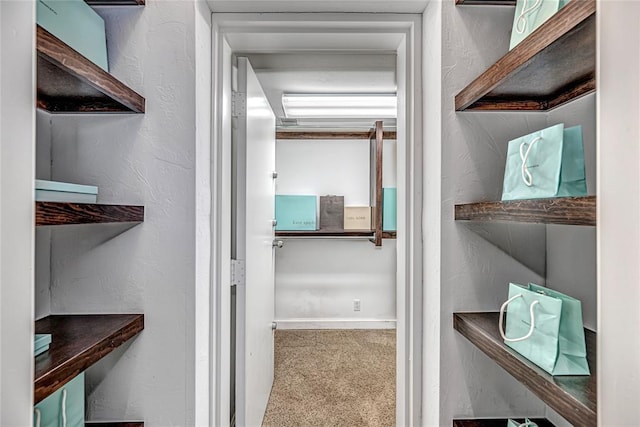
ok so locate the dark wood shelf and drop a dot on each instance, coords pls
(561, 210)
(115, 2)
(573, 397)
(485, 2)
(317, 134)
(70, 83)
(554, 65)
(55, 213)
(114, 424)
(77, 342)
(334, 233)
(498, 422)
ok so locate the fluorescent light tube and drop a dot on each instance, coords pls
(375, 106)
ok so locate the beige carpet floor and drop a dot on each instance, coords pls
(333, 378)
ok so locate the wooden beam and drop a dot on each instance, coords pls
(573, 397)
(319, 134)
(61, 213)
(376, 142)
(559, 210)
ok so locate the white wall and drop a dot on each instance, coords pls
(317, 280)
(151, 268)
(618, 213)
(203, 303)
(17, 169)
(571, 251)
(431, 217)
(43, 234)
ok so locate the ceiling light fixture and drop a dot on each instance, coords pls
(375, 106)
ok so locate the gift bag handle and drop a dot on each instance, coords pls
(533, 319)
(38, 416)
(63, 410)
(526, 175)
(528, 423)
(521, 20)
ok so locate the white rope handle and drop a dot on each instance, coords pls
(524, 156)
(528, 423)
(533, 319)
(38, 416)
(521, 21)
(64, 407)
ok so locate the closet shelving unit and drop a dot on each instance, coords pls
(115, 2)
(551, 67)
(79, 341)
(496, 422)
(376, 137)
(62, 213)
(561, 210)
(114, 424)
(67, 82)
(70, 83)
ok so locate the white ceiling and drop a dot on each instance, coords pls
(363, 6)
(322, 72)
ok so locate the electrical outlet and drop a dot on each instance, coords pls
(356, 305)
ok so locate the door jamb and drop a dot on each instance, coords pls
(409, 167)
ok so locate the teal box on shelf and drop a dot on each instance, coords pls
(389, 209)
(296, 213)
(68, 398)
(54, 191)
(41, 343)
(76, 24)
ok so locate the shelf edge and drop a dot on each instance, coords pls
(50, 381)
(564, 403)
(52, 49)
(565, 20)
(60, 213)
(562, 210)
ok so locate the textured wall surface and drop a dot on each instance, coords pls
(571, 251)
(147, 159)
(319, 279)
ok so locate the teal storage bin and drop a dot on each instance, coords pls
(41, 343)
(54, 191)
(389, 209)
(76, 24)
(49, 412)
(296, 213)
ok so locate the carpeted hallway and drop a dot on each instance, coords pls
(333, 378)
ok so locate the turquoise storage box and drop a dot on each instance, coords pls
(53, 191)
(41, 343)
(67, 402)
(389, 209)
(77, 25)
(296, 212)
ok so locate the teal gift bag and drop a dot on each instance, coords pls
(545, 326)
(530, 14)
(546, 163)
(527, 423)
(64, 408)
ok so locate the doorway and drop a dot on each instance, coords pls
(237, 33)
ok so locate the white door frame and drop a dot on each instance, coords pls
(235, 33)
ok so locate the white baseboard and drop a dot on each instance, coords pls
(335, 324)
